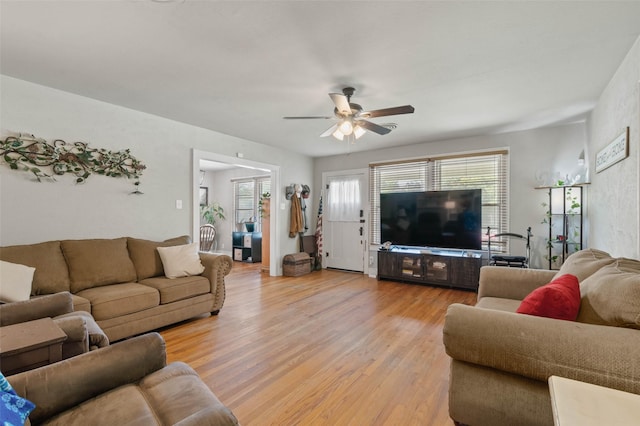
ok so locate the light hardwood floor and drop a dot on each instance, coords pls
(328, 348)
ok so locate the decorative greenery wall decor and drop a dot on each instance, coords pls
(31, 154)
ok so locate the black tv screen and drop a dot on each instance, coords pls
(447, 219)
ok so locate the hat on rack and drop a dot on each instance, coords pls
(289, 190)
(305, 191)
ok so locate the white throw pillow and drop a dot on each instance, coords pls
(15, 281)
(181, 261)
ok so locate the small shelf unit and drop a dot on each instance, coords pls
(247, 246)
(565, 223)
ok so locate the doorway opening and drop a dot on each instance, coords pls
(209, 160)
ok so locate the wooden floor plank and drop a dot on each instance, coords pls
(327, 348)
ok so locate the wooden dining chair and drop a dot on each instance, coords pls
(207, 236)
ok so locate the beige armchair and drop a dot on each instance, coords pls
(501, 360)
(83, 334)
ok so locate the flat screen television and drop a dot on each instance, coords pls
(446, 219)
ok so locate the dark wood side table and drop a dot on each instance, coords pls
(29, 345)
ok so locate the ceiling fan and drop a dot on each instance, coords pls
(352, 119)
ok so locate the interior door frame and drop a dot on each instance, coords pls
(275, 268)
(637, 177)
(365, 207)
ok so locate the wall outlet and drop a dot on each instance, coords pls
(178, 204)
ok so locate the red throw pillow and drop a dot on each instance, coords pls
(560, 299)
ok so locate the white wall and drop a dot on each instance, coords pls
(614, 216)
(102, 207)
(549, 151)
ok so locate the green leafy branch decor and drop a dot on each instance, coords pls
(31, 154)
(263, 199)
(210, 213)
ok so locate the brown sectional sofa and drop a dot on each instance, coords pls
(501, 360)
(121, 281)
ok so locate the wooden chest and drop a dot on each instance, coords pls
(296, 264)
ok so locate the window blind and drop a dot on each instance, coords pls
(244, 200)
(247, 193)
(486, 171)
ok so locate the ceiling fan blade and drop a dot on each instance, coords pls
(308, 118)
(372, 127)
(342, 104)
(405, 109)
(329, 131)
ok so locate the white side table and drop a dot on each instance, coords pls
(577, 403)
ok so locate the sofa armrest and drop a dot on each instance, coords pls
(511, 283)
(216, 267)
(65, 384)
(537, 347)
(49, 305)
(74, 327)
(97, 337)
(77, 335)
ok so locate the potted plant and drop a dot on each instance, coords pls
(212, 212)
(263, 204)
(250, 224)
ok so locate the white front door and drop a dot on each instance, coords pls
(345, 231)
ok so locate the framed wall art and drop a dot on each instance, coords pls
(204, 195)
(613, 153)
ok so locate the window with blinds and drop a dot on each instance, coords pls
(247, 194)
(486, 171)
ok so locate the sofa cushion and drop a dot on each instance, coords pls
(120, 299)
(146, 258)
(125, 405)
(80, 303)
(15, 281)
(51, 275)
(164, 397)
(172, 290)
(560, 299)
(97, 262)
(611, 296)
(585, 263)
(181, 261)
(176, 393)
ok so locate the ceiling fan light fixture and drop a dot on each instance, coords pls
(358, 131)
(338, 134)
(346, 127)
(352, 121)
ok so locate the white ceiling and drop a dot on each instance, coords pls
(237, 67)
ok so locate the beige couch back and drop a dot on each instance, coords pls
(75, 265)
(51, 275)
(94, 263)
